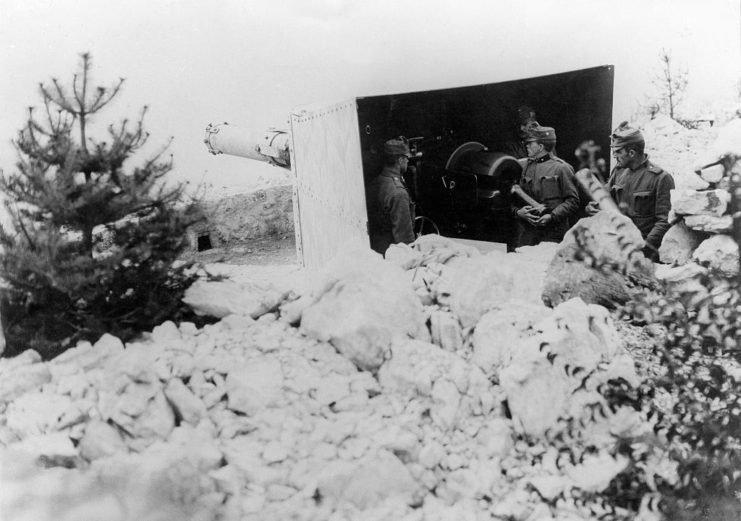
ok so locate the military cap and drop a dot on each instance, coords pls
(541, 134)
(396, 147)
(625, 135)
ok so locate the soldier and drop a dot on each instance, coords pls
(390, 210)
(640, 188)
(549, 181)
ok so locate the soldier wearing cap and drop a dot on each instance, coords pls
(550, 181)
(390, 210)
(640, 188)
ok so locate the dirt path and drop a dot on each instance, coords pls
(264, 251)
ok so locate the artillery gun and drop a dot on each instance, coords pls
(466, 154)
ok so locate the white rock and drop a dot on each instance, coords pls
(446, 330)
(16, 380)
(100, 440)
(186, 405)
(596, 471)
(537, 395)
(255, 385)
(362, 312)
(498, 331)
(712, 174)
(719, 252)
(678, 244)
(226, 297)
(431, 454)
(707, 202)
(478, 284)
(36, 413)
(709, 223)
(549, 487)
(368, 482)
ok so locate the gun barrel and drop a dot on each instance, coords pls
(596, 191)
(519, 192)
(271, 145)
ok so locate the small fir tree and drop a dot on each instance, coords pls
(92, 248)
(671, 84)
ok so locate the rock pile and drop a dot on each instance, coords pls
(703, 223)
(433, 385)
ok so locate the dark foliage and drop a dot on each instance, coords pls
(92, 248)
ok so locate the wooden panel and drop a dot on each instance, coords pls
(329, 200)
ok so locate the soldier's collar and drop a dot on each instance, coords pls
(539, 158)
(641, 164)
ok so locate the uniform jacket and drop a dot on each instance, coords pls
(390, 211)
(643, 195)
(550, 180)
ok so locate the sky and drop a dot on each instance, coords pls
(251, 62)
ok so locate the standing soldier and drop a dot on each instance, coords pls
(550, 182)
(390, 210)
(640, 188)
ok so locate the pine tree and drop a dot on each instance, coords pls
(92, 248)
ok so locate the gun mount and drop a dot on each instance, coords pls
(463, 166)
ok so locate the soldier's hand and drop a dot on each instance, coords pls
(544, 220)
(592, 208)
(527, 213)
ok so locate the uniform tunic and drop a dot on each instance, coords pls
(550, 181)
(643, 195)
(390, 211)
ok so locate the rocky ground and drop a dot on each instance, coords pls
(433, 385)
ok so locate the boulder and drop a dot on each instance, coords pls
(709, 223)
(255, 385)
(678, 244)
(712, 174)
(477, 284)
(498, 332)
(368, 482)
(719, 252)
(101, 440)
(21, 374)
(707, 202)
(221, 298)
(609, 239)
(362, 304)
(446, 330)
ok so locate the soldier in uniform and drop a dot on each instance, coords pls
(390, 210)
(640, 188)
(551, 182)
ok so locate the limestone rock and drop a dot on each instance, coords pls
(17, 378)
(719, 252)
(607, 237)
(363, 304)
(222, 298)
(707, 202)
(497, 333)
(101, 440)
(446, 331)
(368, 482)
(678, 244)
(255, 385)
(186, 405)
(86, 356)
(478, 284)
(709, 223)
(712, 174)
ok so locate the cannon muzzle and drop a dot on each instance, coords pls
(271, 146)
